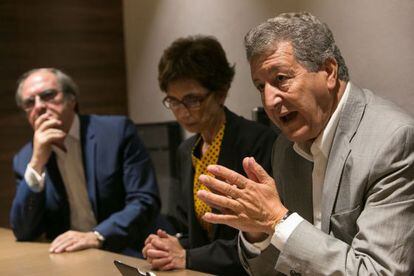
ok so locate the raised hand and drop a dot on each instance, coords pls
(46, 132)
(250, 204)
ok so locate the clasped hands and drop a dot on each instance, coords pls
(164, 252)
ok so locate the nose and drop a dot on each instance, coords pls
(181, 112)
(39, 106)
(271, 97)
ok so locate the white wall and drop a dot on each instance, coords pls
(375, 37)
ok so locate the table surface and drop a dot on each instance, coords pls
(33, 258)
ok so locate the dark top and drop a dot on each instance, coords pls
(242, 138)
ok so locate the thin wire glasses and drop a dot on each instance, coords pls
(45, 96)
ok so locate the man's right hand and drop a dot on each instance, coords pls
(46, 132)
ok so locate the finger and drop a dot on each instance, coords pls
(222, 187)
(53, 134)
(39, 120)
(228, 175)
(149, 238)
(58, 240)
(145, 249)
(49, 123)
(158, 263)
(156, 254)
(77, 245)
(218, 201)
(248, 170)
(229, 220)
(259, 172)
(62, 246)
(162, 234)
(169, 266)
(160, 244)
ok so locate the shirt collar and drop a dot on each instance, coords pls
(323, 143)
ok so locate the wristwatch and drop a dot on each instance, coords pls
(100, 238)
(288, 213)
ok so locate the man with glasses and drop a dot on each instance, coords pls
(85, 181)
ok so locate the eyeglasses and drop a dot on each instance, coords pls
(45, 97)
(189, 102)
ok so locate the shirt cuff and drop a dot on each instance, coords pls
(254, 248)
(283, 231)
(34, 180)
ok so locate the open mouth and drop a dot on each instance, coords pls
(288, 117)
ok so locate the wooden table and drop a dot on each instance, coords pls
(33, 258)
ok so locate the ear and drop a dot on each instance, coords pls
(72, 103)
(331, 69)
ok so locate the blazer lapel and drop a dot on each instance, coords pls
(349, 121)
(88, 143)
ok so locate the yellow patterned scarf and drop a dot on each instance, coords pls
(200, 166)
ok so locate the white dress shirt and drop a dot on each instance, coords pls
(318, 153)
(70, 166)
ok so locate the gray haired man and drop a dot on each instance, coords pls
(343, 168)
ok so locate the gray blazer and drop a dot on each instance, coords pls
(367, 201)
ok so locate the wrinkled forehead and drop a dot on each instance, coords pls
(274, 55)
(38, 82)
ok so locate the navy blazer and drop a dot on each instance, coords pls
(218, 255)
(121, 187)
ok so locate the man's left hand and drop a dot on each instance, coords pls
(74, 241)
(249, 204)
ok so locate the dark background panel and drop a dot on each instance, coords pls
(84, 38)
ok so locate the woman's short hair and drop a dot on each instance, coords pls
(199, 58)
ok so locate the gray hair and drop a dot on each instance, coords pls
(312, 41)
(68, 87)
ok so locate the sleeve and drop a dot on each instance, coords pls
(35, 181)
(142, 202)
(28, 207)
(282, 233)
(383, 242)
(178, 208)
(222, 253)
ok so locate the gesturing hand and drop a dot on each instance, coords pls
(164, 252)
(74, 241)
(249, 204)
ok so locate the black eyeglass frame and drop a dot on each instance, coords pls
(186, 102)
(45, 96)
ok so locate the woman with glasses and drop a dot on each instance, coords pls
(196, 76)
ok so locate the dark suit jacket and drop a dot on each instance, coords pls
(242, 138)
(120, 180)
